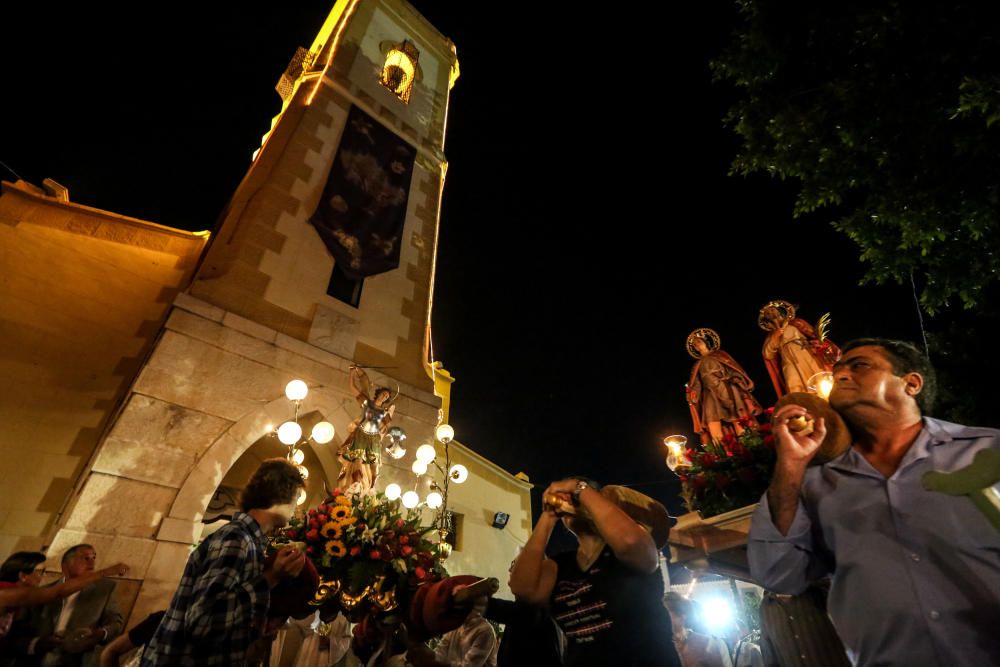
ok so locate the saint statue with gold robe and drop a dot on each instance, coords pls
(793, 351)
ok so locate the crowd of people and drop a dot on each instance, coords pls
(864, 561)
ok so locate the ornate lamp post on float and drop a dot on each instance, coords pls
(437, 496)
(290, 432)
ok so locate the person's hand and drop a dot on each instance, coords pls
(794, 449)
(116, 570)
(288, 563)
(83, 640)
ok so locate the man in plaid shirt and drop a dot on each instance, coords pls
(220, 606)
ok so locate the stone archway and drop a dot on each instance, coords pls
(181, 527)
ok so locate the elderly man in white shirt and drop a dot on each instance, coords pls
(69, 631)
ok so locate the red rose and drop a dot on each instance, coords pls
(406, 551)
(722, 480)
(322, 518)
(699, 482)
(706, 460)
(375, 554)
(766, 427)
(355, 550)
(404, 539)
(324, 509)
(313, 523)
(691, 453)
(400, 523)
(682, 477)
(310, 551)
(739, 449)
(312, 535)
(420, 572)
(768, 440)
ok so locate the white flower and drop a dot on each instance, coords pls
(369, 534)
(400, 565)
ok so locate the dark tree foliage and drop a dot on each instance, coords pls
(885, 112)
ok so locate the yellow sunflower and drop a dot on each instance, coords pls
(336, 548)
(347, 521)
(339, 513)
(331, 530)
(342, 500)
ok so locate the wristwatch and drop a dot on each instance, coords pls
(580, 486)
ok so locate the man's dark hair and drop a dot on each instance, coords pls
(69, 553)
(905, 358)
(21, 562)
(275, 482)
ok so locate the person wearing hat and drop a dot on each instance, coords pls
(606, 594)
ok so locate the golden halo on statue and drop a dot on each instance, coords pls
(838, 436)
(784, 308)
(711, 339)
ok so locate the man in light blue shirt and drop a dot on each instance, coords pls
(915, 573)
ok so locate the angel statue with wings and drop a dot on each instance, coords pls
(360, 455)
(719, 389)
(794, 351)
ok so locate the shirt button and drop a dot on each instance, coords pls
(915, 557)
(934, 615)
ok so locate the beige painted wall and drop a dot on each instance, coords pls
(83, 295)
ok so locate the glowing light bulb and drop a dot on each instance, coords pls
(304, 471)
(419, 468)
(296, 390)
(302, 497)
(393, 491)
(434, 500)
(410, 499)
(289, 433)
(298, 456)
(458, 473)
(426, 454)
(445, 433)
(323, 432)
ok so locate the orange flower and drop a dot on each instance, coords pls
(331, 530)
(336, 548)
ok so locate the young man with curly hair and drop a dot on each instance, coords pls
(223, 596)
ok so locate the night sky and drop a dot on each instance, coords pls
(588, 222)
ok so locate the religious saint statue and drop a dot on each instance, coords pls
(360, 455)
(794, 351)
(719, 389)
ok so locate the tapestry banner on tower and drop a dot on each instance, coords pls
(361, 213)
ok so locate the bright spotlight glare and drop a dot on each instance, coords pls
(717, 612)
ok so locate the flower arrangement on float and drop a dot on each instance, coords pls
(722, 476)
(368, 550)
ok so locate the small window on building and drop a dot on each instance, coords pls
(454, 536)
(343, 288)
(400, 70)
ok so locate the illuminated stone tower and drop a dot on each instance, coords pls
(324, 257)
(384, 63)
